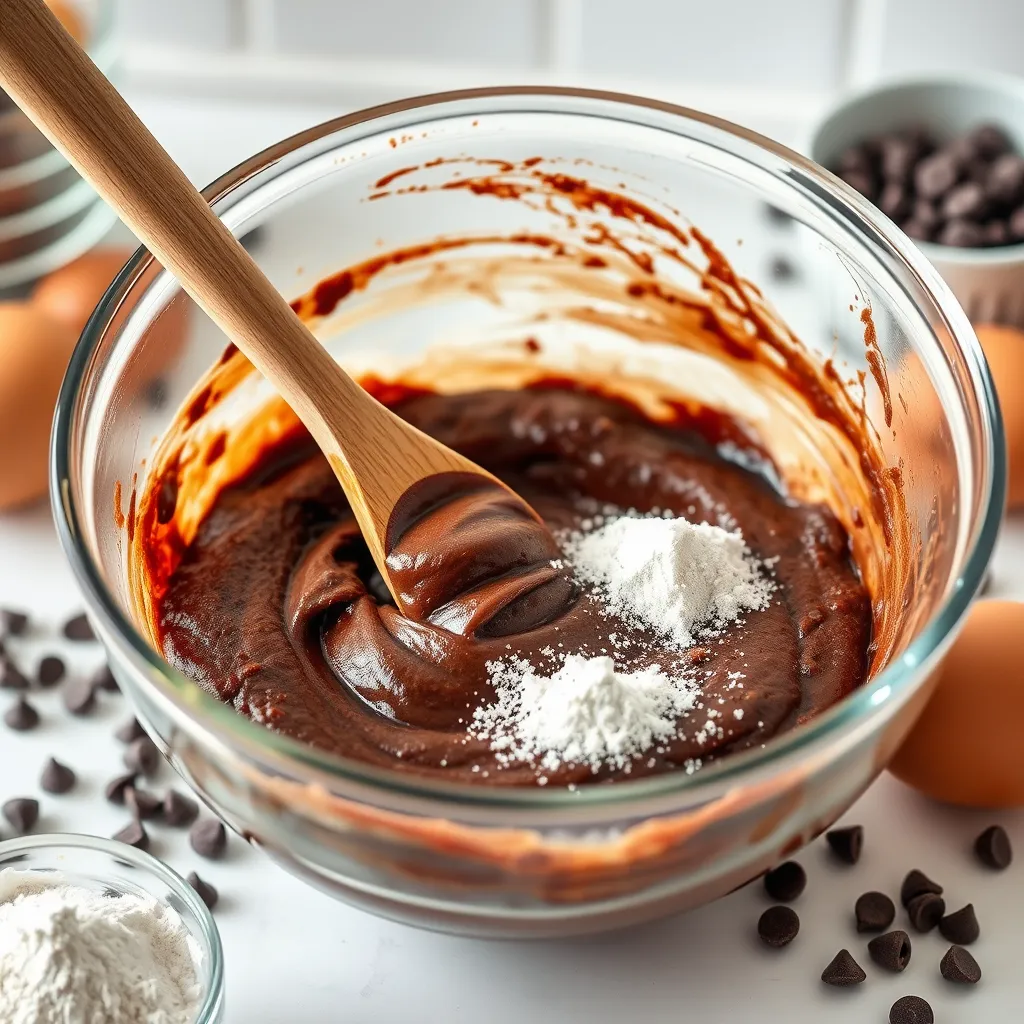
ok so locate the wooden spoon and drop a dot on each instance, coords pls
(376, 456)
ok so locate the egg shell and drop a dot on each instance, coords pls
(34, 353)
(1004, 350)
(966, 747)
(73, 292)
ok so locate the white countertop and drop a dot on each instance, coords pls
(293, 955)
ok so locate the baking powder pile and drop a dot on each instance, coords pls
(669, 574)
(682, 579)
(71, 955)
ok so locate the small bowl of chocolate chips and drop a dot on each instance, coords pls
(944, 159)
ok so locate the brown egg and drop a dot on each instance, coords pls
(34, 352)
(1004, 349)
(966, 747)
(72, 292)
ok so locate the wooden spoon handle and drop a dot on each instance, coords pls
(72, 103)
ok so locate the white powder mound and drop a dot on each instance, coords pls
(585, 713)
(669, 574)
(70, 955)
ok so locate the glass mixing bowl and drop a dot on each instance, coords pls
(538, 862)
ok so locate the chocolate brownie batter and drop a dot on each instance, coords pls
(276, 606)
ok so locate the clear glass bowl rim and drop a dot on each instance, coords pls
(213, 1002)
(294, 759)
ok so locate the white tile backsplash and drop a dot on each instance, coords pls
(766, 43)
(943, 35)
(196, 24)
(474, 32)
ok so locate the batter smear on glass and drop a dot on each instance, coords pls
(275, 604)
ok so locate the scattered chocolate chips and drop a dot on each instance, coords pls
(143, 804)
(911, 1010)
(917, 884)
(960, 967)
(22, 812)
(21, 716)
(179, 810)
(79, 697)
(50, 671)
(778, 926)
(846, 843)
(993, 848)
(891, 950)
(961, 926)
(209, 839)
(78, 628)
(142, 756)
(13, 623)
(781, 268)
(11, 677)
(786, 882)
(117, 787)
(843, 971)
(103, 679)
(965, 192)
(133, 834)
(57, 778)
(130, 731)
(204, 890)
(874, 912)
(926, 911)
(156, 393)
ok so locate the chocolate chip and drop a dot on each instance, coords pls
(209, 838)
(899, 155)
(996, 232)
(965, 201)
(777, 215)
(847, 843)
(961, 234)
(179, 810)
(13, 623)
(78, 628)
(22, 812)
(11, 677)
(917, 884)
(103, 679)
(142, 756)
(874, 912)
(156, 394)
(786, 882)
(990, 140)
(936, 174)
(116, 788)
(130, 731)
(926, 911)
(993, 848)
(960, 967)
(1005, 182)
(961, 926)
(50, 671)
(856, 158)
(891, 950)
(778, 926)
(133, 834)
(894, 201)
(843, 971)
(204, 890)
(143, 804)
(21, 716)
(911, 1010)
(57, 777)
(860, 181)
(79, 697)
(1015, 225)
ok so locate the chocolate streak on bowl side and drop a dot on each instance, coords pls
(299, 608)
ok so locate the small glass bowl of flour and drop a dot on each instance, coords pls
(95, 931)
